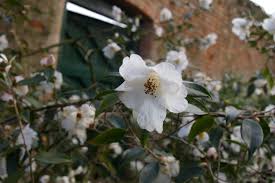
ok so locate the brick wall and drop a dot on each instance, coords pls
(229, 55)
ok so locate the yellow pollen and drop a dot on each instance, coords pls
(201, 135)
(152, 84)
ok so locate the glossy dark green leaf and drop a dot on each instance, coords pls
(149, 173)
(201, 125)
(108, 136)
(52, 157)
(252, 134)
(32, 81)
(197, 87)
(188, 171)
(117, 121)
(108, 101)
(265, 127)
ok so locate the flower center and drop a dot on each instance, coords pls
(152, 84)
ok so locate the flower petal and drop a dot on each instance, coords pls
(168, 72)
(133, 67)
(151, 115)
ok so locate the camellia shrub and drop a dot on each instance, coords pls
(145, 121)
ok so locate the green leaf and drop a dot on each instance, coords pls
(197, 87)
(250, 90)
(108, 136)
(149, 173)
(132, 154)
(116, 120)
(268, 76)
(108, 101)
(53, 157)
(252, 134)
(32, 81)
(194, 109)
(201, 125)
(215, 135)
(265, 127)
(188, 171)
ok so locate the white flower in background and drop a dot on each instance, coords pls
(63, 179)
(3, 59)
(74, 98)
(208, 41)
(236, 136)
(202, 137)
(270, 109)
(135, 25)
(222, 178)
(178, 59)
(212, 153)
(185, 130)
(45, 179)
(3, 43)
(273, 163)
(259, 83)
(269, 25)
(272, 126)
(165, 15)
(170, 165)
(241, 27)
(116, 148)
(272, 91)
(150, 62)
(48, 61)
(159, 31)
(136, 165)
(205, 4)
(110, 50)
(46, 90)
(29, 168)
(3, 168)
(76, 120)
(58, 79)
(117, 13)
(30, 137)
(149, 91)
(6, 97)
(20, 90)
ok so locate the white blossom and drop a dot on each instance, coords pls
(3, 58)
(110, 50)
(29, 168)
(185, 130)
(116, 148)
(28, 137)
(202, 137)
(212, 153)
(136, 165)
(170, 165)
(178, 59)
(273, 163)
(272, 91)
(48, 61)
(208, 41)
(205, 4)
(3, 43)
(3, 168)
(58, 79)
(6, 97)
(76, 120)
(20, 90)
(241, 27)
(46, 90)
(45, 179)
(165, 15)
(117, 13)
(236, 136)
(159, 31)
(63, 179)
(259, 83)
(149, 91)
(269, 25)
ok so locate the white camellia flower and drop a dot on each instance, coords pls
(45, 179)
(58, 79)
(63, 179)
(76, 120)
(236, 136)
(208, 41)
(158, 31)
(117, 13)
(269, 25)
(171, 166)
(116, 148)
(3, 43)
(20, 90)
(110, 50)
(165, 15)
(241, 27)
(178, 59)
(149, 91)
(205, 4)
(202, 137)
(30, 137)
(3, 168)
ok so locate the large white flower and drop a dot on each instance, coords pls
(110, 50)
(241, 27)
(117, 13)
(149, 91)
(76, 120)
(205, 4)
(3, 43)
(28, 137)
(165, 15)
(178, 59)
(269, 25)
